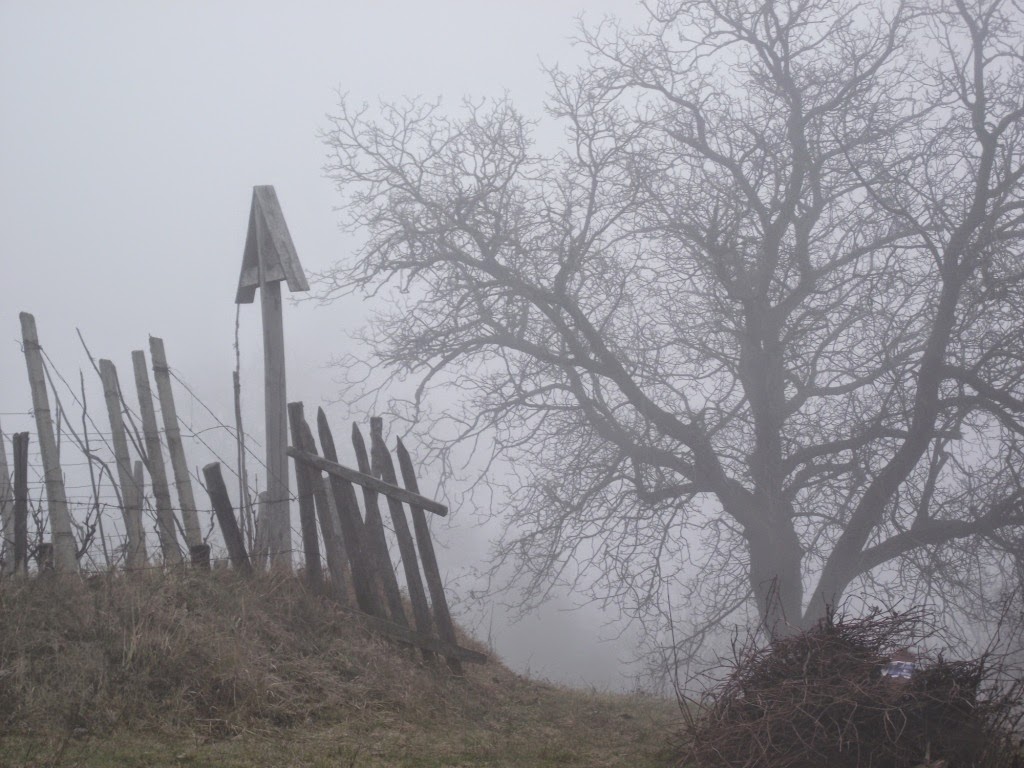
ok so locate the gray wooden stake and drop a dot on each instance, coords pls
(6, 511)
(138, 498)
(135, 556)
(374, 528)
(384, 468)
(330, 526)
(307, 507)
(262, 516)
(438, 601)
(20, 558)
(56, 497)
(275, 396)
(182, 479)
(166, 528)
(268, 258)
(361, 559)
(226, 517)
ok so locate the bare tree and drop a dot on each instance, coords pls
(753, 330)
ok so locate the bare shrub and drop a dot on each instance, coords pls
(821, 698)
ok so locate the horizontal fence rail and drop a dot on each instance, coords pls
(368, 481)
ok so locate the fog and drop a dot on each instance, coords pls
(131, 136)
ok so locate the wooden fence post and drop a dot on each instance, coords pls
(200, 556)
(278, 523)
(20, 558)
(165, 524)
(354, 533)
(221, 503)
(182, 480)
(307, 511)
(330, 527)
(44, 556)
(268, 258)
(262, 518)
(138, 499)
(384, 468)
(56, 496)
(6, 511)
(374, 528)
(438, 601)
(135, 556)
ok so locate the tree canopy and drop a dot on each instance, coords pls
(752, 330)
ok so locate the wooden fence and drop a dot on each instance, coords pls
(355, 569)
(359, 573)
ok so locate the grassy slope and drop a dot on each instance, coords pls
(215, 671)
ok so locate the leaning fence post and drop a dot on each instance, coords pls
(438, 601)
(262, 520)
(6, 511)
(21, 503)
(182, 480)
(307, 512)
(157, 471)
(384, 468)
(136, 554)
(354, 532)
(221, 503)
(200, 555)
(329, 526)
(374, 528)
(44, 556)
(56, 497)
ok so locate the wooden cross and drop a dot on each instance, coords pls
(268, 259)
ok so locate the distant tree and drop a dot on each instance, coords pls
(753, 330)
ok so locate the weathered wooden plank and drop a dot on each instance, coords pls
(369, 481)
(199, 555)
(66, 548)
(330, 526)
(6, 510)
(269, 253)
(278, 522)
(260, 556)
(307, 510)
(20, 556)
(135, 554)
(360, 558)
(438, 600)
(175, 447)
(221, 503)
(276, 240)
(165, 524)
(383, 467)
(375, 535)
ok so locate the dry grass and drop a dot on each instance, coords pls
(202, 669)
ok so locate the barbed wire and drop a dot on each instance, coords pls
(185, 428)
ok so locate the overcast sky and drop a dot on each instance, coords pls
(131, 135)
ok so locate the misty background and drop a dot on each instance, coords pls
(131, 136)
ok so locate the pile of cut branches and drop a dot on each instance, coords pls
(821, 698)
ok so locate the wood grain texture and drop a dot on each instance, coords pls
(65, 546)
(175, 447)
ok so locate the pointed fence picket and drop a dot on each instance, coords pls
(364, 538)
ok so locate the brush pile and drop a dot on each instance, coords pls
(821, 698)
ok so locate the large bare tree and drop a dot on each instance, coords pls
(752, 327)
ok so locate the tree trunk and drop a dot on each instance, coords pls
(776, 581)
